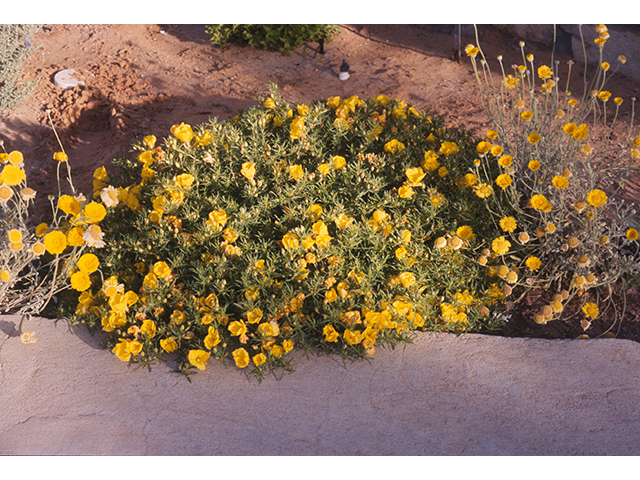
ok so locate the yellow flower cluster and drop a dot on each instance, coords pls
(243, 239)
(549, 204)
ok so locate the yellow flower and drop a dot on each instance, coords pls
(126, 348)
(94, 212)
(88, 263)
(500, 245)
(352, 337)
(342, 221)
(503, 180)
(545, 72)
(590, 310)
(534, 165)
(169, 345)
(483, 147)
(16, 158)
(331, 295)
(533, 263)
(448, 148)
(401, 252)
(212, 339)
(497, 150)
(182, 132)
(121, 350)
(471, 50)
(430, 162)
(511, 82)
(539, 202)
(526, 115)
(334, 102)
(314, 212)
(330, 334)
(508, 224)
(296, 172)
(198, 358)
(12, 175)
(149, 141)
(270, 104)
(632, 234)
(259, 359)
(596, 198)
(5, 276)
(55, 242)
(533, 137)
(393, 146)
(290, 241)
(241, 357)
(148, 328)
(580, 132)
(5, 192)
(60, 157)
(407, 279)
(254, 316)
(80, 281)
(469, 180)
(560, 182)
(338, 162)
(505, 161)
(101, 174)
(465, 232)
(324, 168)
(405, 191)
(217, 219)
(184, 180)
(161, 270)
(14, 235)
(415, 175)
(237, 328)
(297, 128)
(483, 190)
(604, 95)
(69, 205)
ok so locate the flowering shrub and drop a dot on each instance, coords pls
(341, 225)
(553, 198)
(37, 261)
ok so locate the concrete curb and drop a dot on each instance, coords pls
(444, 395)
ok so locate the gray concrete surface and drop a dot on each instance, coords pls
(444, 395)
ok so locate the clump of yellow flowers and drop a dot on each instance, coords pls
(555, 171)
(39, 260)
(303, 226)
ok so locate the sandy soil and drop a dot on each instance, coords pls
(142, 79)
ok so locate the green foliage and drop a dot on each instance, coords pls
(14, 51)
(270, 37)
(307, 226)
